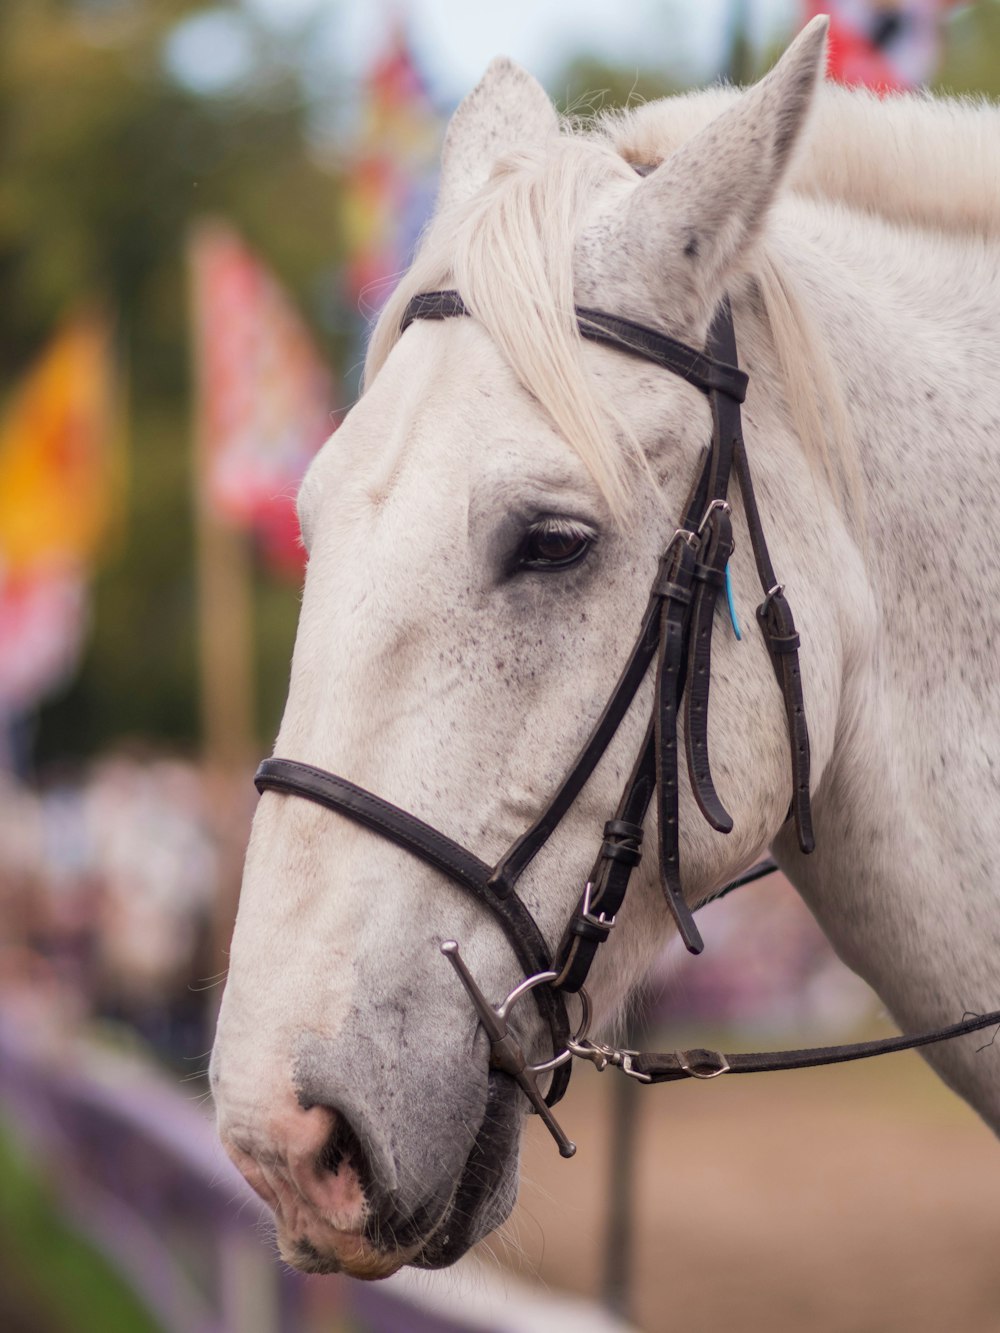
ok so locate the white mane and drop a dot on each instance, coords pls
(914, 161)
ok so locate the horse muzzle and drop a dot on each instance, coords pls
(335, 1190)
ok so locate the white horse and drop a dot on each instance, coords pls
(439, 667)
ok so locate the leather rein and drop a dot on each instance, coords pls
(675, 632)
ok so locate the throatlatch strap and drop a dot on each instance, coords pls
(774, 616)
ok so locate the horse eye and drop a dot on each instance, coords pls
(554, 544)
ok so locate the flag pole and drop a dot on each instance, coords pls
(225, 638)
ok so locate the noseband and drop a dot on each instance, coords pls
(675, 630)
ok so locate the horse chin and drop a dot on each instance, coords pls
(327, 1251)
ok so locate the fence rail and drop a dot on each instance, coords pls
(137, 1169)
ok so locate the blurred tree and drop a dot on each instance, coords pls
(972, 44)
(105, 162)
(589, 84)
(106, 159)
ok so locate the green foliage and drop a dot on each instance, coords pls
(589, 85)
(970, 63)
(52, 1280)
(106, 163)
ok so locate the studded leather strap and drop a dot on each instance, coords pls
(774, 615)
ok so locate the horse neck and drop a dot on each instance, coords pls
(899, 881)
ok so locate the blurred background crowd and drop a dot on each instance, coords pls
(202, 205)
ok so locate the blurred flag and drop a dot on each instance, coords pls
(884, 44)
(61, 474)
(43, 620)
(264, 397)
(60, 469)
(390, 182)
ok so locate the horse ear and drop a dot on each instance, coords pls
(693, 218)
(506, 108)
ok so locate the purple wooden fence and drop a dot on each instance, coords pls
(137, 1169)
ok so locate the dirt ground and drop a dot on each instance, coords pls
(858, 1199)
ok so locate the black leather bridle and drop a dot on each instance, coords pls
(675, 631)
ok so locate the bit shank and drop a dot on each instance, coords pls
(505, 1050)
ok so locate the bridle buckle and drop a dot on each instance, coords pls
(724, 505)
(597, 919)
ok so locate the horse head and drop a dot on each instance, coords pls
(482, 532)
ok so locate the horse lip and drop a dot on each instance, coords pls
(435, 1239)
(325, 1250)
(461, 1225)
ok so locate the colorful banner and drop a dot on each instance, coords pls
(390, 182)
(60, 465)
(43, 620)
(887, 45)
(61, 478)
(264, 397)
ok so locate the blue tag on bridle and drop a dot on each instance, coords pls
(732, 605)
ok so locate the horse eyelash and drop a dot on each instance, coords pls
(557, 525)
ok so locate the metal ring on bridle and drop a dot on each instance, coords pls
(529, 983)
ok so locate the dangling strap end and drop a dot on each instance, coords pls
(688, 931)
(683, 917)
(804, 828)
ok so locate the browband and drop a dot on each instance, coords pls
(698, 368)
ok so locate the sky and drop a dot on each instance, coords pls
(454, 40)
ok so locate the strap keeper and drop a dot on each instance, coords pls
(622, 842)
(591, 929)
(783, 643)
(702, 1064)
(621, 851)
(715, 578)
(621, 828)
(663, 587)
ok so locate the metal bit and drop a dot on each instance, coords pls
(506, 1053)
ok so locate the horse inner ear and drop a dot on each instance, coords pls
(506, 109)
(693, 219)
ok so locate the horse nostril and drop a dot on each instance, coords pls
(322, 1156)
(343, 1148)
